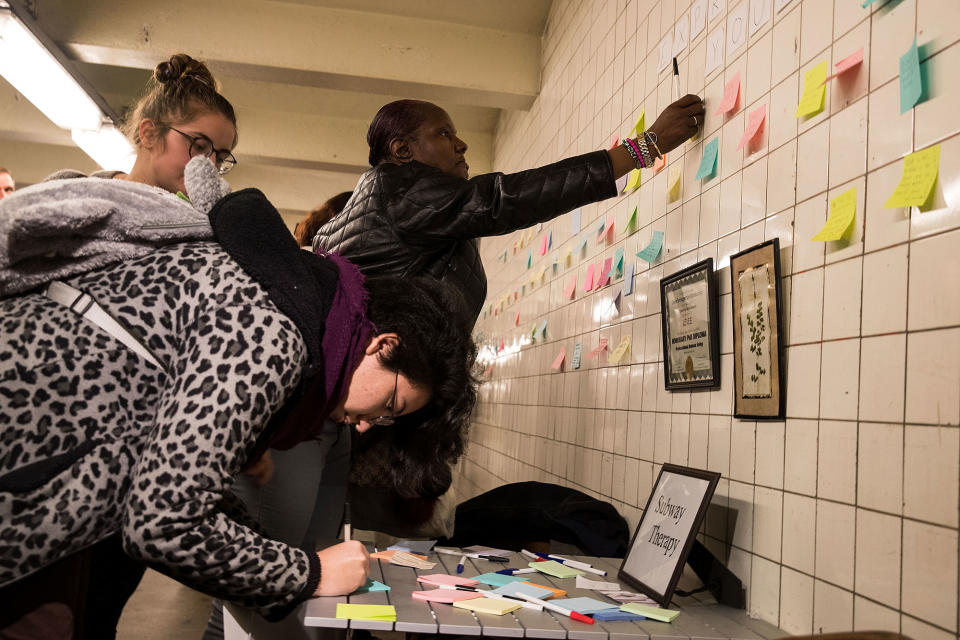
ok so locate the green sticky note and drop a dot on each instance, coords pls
(911, 86)
(708, 164)
(631, 225)
(843, 210)
(640, 126)
(555, 569)
(920, 170)
(814, 91)
(654, 613)
(652, 250)
(183, 196)
(497, 579)
(529, 259)
(383, 612)
(867, 3)
(617, 269)
(533, 331)
(633, 182)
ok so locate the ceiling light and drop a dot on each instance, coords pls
(108, 147)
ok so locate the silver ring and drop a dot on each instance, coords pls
(695, 121)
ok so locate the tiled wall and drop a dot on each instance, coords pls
(846, 514)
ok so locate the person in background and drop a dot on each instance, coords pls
(7, 185)
(307, 228)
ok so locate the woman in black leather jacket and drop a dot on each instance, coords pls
(417, 212)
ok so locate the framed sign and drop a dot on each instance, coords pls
(667, 530)
(759, 389)
(691, 345)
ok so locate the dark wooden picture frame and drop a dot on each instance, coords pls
(759, 390)
(639, 569)
(701, 343)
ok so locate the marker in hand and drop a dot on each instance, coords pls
(346, 521)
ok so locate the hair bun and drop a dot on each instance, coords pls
(182, 67)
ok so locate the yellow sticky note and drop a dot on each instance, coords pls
(621, 350)
(843, 211)
(384, 612)
(676, 176)
(633, 182)
(555, 569)
(639, 127)
(920, 172)
(488, 605)
(811, 101)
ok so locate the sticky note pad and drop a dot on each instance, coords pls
(652, 250)
(754, 122)
(557, 593)
(730, 93)
(613, 615)
(497, 579)
(811, 101)
(489, 605)
(443, 578)
(843, 210)
(371, 586)
(445, 596)
(920, 170)
(633, 181)
(911, 86)
(708, 164)
(384, 612)
(675, 182)
(558, 361)
(524, 587)
(654, 613)
(555, 569)
(585, 605)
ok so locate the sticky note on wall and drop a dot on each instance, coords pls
(652, 250)
(843, 211)
(754, 122)
(730, 93)
(911, 86)
(920, 170)
(708, 164)
(675, 182)
(811, 101)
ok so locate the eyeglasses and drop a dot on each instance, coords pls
(203, 146)
(386, 421)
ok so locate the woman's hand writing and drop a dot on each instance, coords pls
(678, 122)
(343, 568)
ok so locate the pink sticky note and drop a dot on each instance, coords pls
(847, 63)
(502, 346)
(516, 320)
(571, 288)
(614, 141)
(754, 122)
(543, 246)
(444, 578)
(605, 273)
(558, 362)
(445, 596)
(730, 93)
(609, 230)
(600, 347)
(588, 284)
(659, 164)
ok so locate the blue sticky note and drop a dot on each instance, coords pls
(628, 280)
(550, 240)
(575, 221)
(612, 615)
(584, 605)
(617, 267)
(708, 164)
(911, 86)
(497, 579)
(372, 585)
(523, 587)
(652, 250)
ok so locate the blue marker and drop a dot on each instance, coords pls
(463, 559)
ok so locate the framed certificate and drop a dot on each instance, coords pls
(667, 530)
(758, 372)
(691, 346)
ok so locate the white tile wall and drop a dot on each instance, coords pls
(845, 515)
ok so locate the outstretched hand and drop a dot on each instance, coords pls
(678, 122)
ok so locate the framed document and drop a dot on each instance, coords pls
(667, 530)
(691, 346)
(759, 389)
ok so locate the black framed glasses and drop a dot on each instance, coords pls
(203, 146)
(386, 421)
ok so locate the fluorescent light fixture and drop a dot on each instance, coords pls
(108, 147)
(34, 72)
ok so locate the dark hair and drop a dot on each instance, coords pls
(179, 89)
(5, 170)
(435, 350)
(396, 119)
(320, 216)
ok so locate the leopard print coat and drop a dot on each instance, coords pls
(96, 440)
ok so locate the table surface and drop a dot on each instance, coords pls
(701, 618)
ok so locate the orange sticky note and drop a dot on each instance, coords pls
(571, 288)
(754, 122)
(558, 362)
(730, 94)
(588, 284)
(847, 63)
(659, 164)
(557, 593)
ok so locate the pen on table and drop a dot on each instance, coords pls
(346, 521)
(514, 572)
(676, 81)
(530, 554)
(480, 556)
(460, 564)
(573, 563)
(552, 607)
(490, 594)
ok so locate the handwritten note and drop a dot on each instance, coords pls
(847, 63)
(730, 93)
(571, 288)
(920, 171)
(558, 361)
(588, 283)
(640, 126)
(652, 250)
(577, 351)
(754, 122)
(708, 164)
(628, 279)
(714, 47)
(621, 350)
(633, 181)
(384, 612)
(911, 86)
(675, 181)
(843, 210)
(811, 101)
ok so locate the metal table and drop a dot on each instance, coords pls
(701, 617)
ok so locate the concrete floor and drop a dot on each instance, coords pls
(161, 609)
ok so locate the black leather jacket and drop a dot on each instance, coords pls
(412, 219)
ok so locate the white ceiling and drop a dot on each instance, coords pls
(305, 76)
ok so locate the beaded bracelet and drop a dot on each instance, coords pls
(634, 152)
